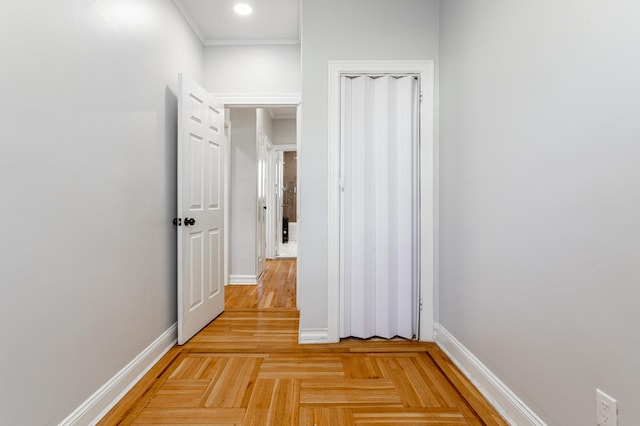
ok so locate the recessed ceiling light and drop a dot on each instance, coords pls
(242, 9)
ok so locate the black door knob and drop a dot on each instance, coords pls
(189, 221)
(177, 221)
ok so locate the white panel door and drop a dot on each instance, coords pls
(261, 236)
(202, 152)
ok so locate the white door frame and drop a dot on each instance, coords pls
(427, 186)
(227, 200)
(281, 148)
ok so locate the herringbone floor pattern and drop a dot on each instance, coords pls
(246, 368)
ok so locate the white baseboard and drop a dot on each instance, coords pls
(507, 403)
(313, 335)
(243, 280)
(99, 404)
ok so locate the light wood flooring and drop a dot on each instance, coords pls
(246, 368)
(277, 290)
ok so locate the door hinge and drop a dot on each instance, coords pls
(420, 305)
(421, 96)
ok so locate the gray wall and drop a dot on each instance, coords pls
(333, 30)
(244, 190)
(284, 131)
(245, 123)
(87, 177)
(252, 69)
(540, 201)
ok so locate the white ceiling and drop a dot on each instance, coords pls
(215, 22)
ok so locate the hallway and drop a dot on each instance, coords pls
(246, 368)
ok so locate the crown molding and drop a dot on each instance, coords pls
(189, 20)
(272, 42)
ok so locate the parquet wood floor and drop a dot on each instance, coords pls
(277, 290)
(246, 368)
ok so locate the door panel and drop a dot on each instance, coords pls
(202, 149)
(379, 202)
(196, 180)
(216, 283)
(214, 164)
(196, 273)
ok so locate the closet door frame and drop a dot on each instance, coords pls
(428, 185)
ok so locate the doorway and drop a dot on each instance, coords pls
(253, 237)
(287, 204)
(206, 252)
(424, 237)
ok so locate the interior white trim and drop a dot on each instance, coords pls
(427, 184)
(99, 404)
(499, 395)
(287, 147)
(313, 336)
(189, 20)
(227, 195)
(243, 279)
(258, 99)
(300, 192)
(254, 42)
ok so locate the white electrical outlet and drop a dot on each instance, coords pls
(606, 409)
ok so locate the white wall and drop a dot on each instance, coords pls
(339, 30)
(540, 201)
(244, 190)
(284, 131)
(87, 177)
(265, 122)
(252, 69)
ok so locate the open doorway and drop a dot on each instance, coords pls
(259, 136)
(287, 204)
